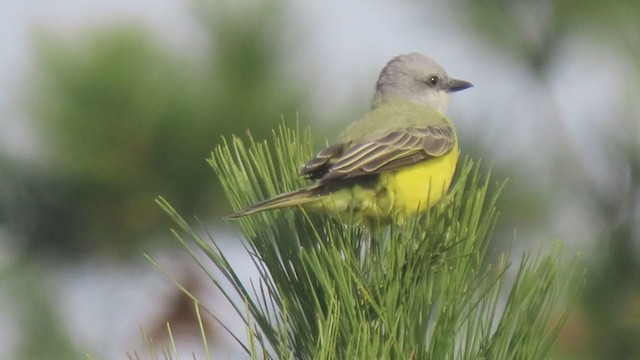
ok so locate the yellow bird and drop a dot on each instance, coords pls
(396, 161)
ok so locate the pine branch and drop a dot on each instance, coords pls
(420, 291)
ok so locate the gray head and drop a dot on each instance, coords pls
(417, 78)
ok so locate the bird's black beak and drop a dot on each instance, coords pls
(454, 85)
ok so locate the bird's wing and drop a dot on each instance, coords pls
(396, 149)
(317, 167)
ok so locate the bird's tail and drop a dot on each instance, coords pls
(296, 197)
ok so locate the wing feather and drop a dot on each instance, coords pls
(396, 149)
(319, 165)
(391, 151)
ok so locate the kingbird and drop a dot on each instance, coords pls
(397, 160)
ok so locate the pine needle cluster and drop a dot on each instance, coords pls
(329, 289)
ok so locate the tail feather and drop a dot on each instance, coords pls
(296, 197)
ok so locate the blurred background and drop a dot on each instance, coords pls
(106, 105)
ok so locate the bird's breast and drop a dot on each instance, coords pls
(416, 188)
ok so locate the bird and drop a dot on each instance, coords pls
(396, 161)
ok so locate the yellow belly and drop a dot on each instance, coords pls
(418, 187)
(396, 194)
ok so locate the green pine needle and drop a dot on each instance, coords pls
(421, 290)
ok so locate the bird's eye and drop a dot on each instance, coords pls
(433, 81)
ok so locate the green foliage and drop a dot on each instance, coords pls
(110, 106)
(123, 118)
(330, 290)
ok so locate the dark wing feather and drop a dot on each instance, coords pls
(396, 149)
(320, 164)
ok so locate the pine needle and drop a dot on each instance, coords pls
(422, 290)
